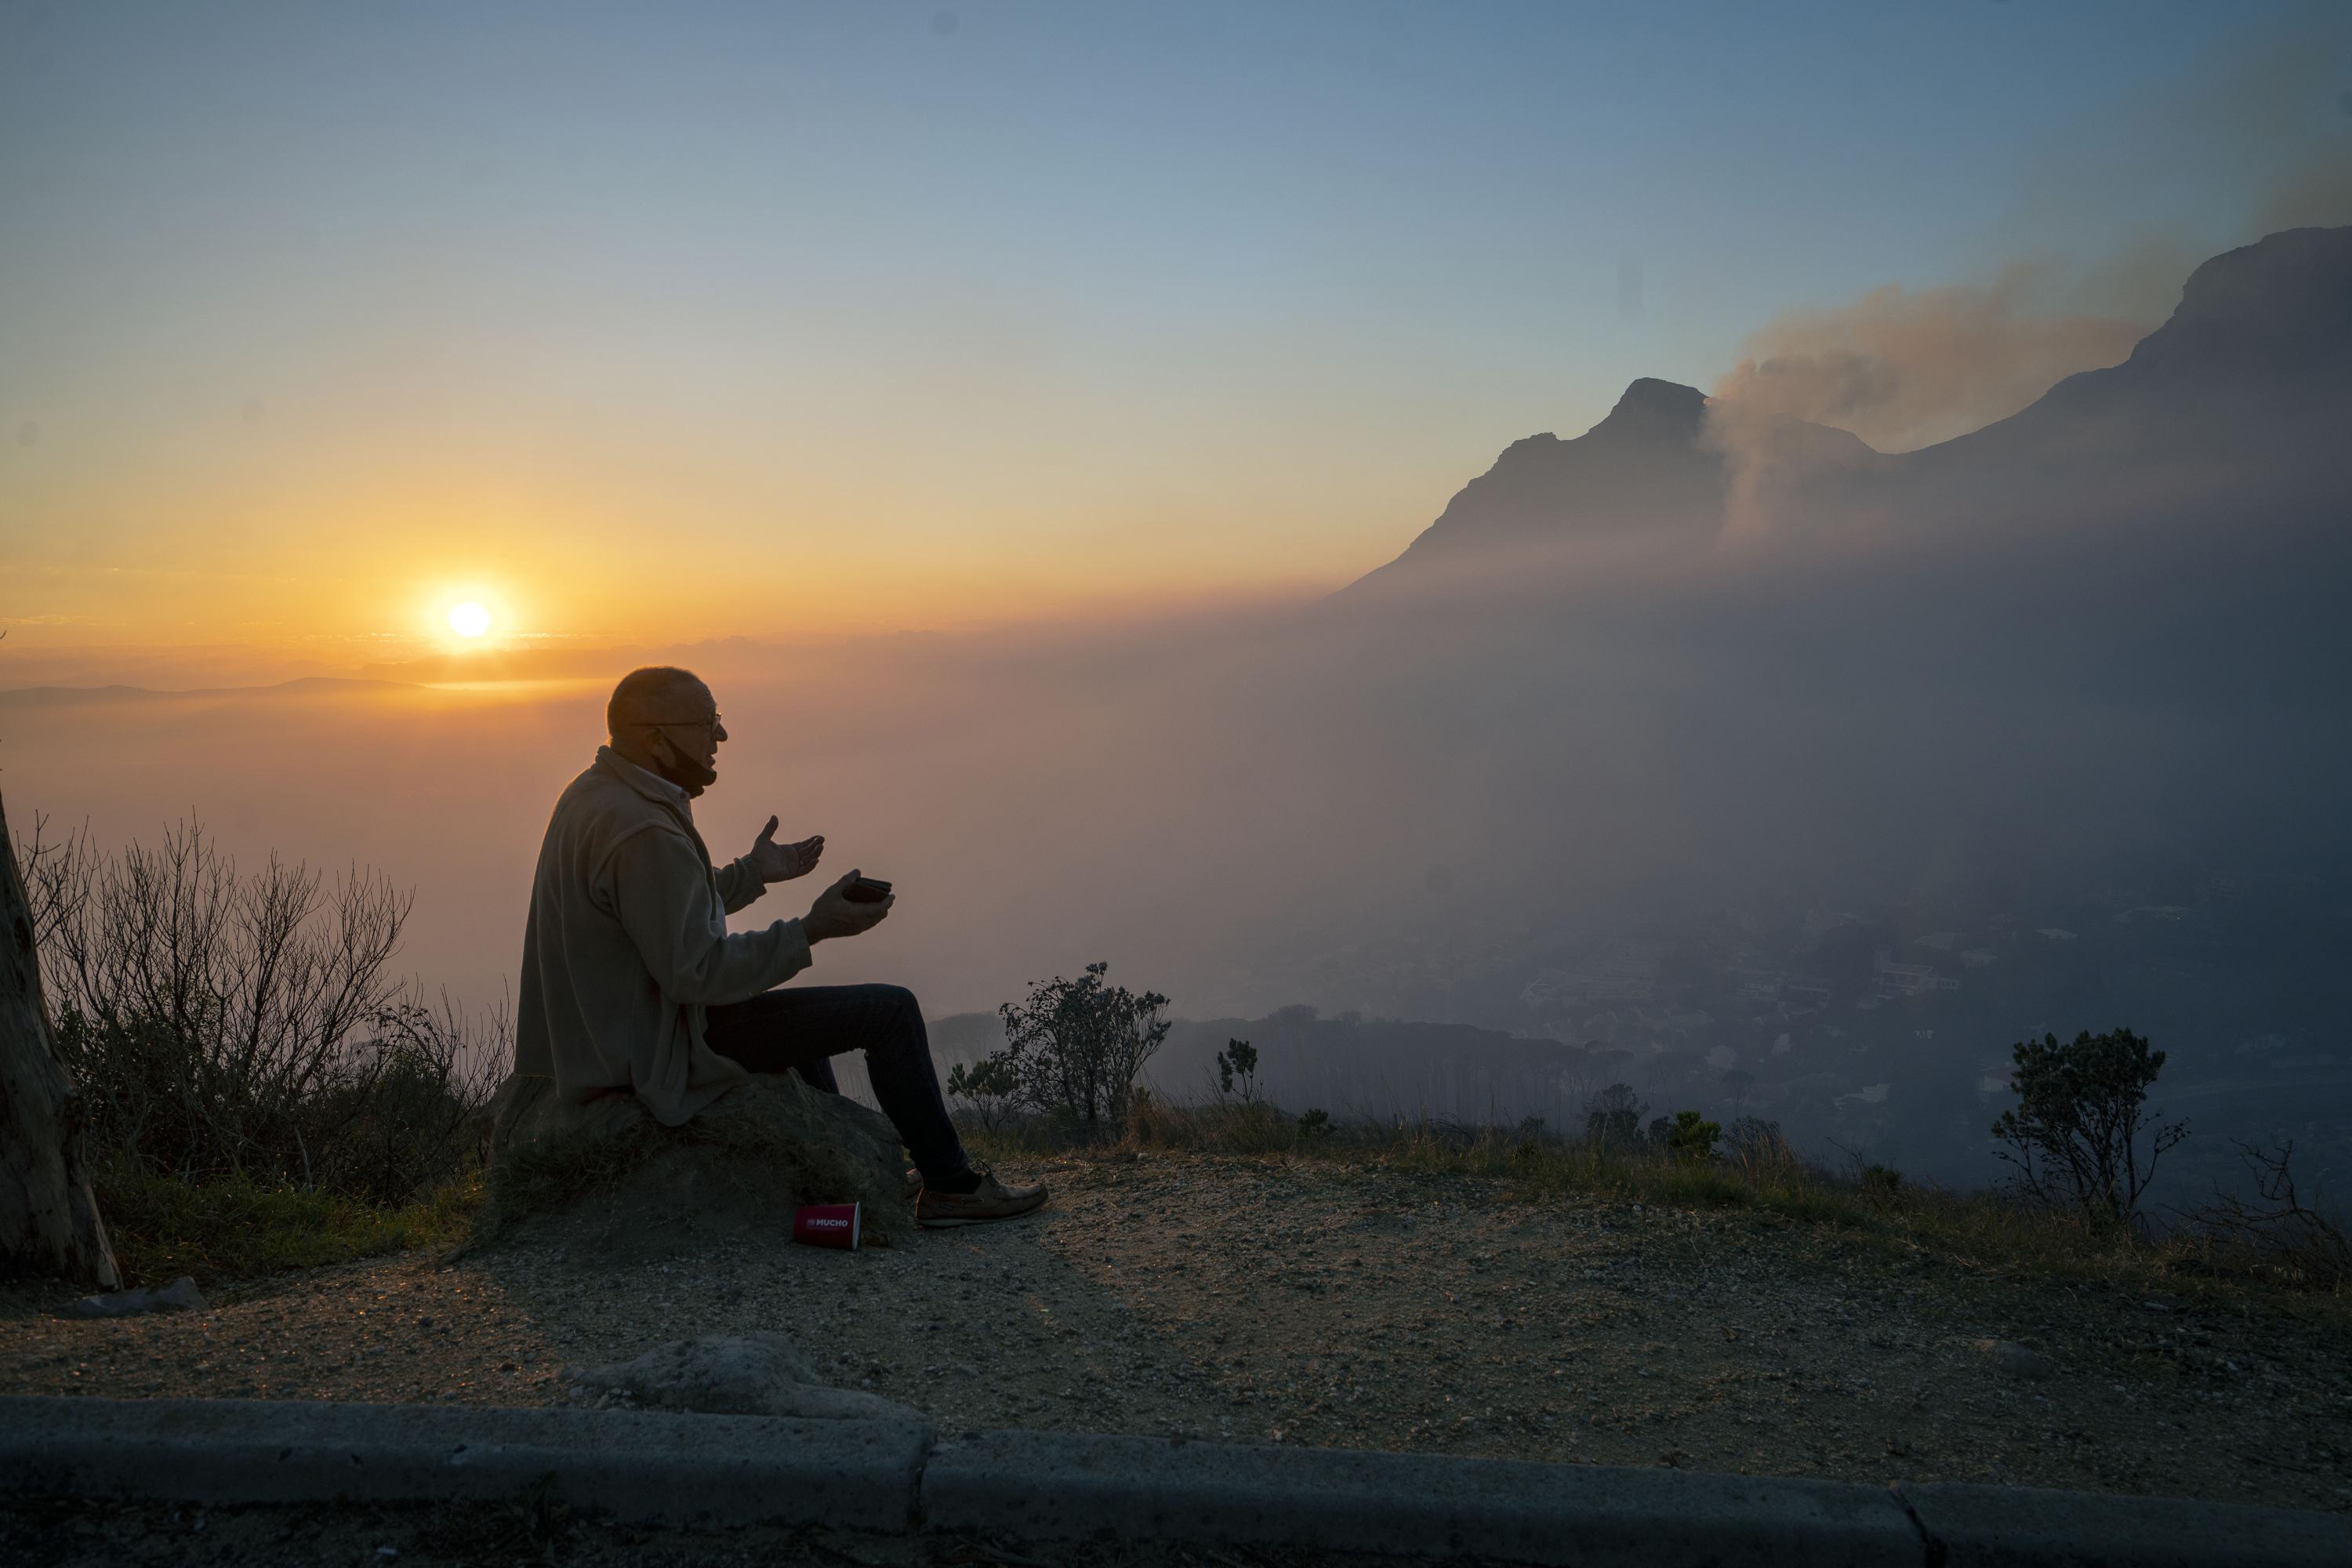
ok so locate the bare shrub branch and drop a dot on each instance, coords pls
(2277, 1226)
(222, 1022)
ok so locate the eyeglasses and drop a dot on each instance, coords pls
(714, 724)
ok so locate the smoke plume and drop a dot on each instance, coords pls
(1903, 369)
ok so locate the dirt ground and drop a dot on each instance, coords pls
(1340, 1306)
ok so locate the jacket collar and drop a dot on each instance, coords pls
(651, 785)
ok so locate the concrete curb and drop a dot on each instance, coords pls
(2015, 1527)
(1048, 1486)
(648, 1466)
(891, 1478)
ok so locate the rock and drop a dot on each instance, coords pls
(607, 1177)
(179, 1296)
(2017, 1360)
(717, 1374)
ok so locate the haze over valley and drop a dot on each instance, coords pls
(1708, 751)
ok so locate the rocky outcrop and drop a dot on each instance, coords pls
(606, 1177)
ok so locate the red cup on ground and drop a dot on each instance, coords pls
(827, 1224)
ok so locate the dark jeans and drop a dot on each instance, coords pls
(799, 1028)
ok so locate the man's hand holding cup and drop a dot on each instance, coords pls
(836, 914)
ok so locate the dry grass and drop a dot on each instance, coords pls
(232, 1228)
(1985, 1228)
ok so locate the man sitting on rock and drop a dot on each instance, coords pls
(632, 981)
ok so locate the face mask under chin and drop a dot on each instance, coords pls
(683, 771)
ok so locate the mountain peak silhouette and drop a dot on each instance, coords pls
(1641, 471)
(2242, 386)
(2246, 372)
(2287, 296)
(1654, 410)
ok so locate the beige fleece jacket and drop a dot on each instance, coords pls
(627, 943)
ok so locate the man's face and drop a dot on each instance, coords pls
(688, 733)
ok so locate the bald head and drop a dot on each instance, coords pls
(658, 694)
(665, 720)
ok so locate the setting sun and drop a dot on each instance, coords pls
(470, 620)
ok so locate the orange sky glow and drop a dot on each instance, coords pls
(315, 324)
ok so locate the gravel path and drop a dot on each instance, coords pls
(1343, 1305)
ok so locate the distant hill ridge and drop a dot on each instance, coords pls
(2247, 371)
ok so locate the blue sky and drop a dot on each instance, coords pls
(1219, 292)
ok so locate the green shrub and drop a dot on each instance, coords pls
(1238, 1063)
(1074, 1048)
(1315, 1123)
(2074, 1137)
(1691, 1139)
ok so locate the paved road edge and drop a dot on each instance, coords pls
(895, 1477)
(720, 1470)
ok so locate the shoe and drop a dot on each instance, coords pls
(911, 1187)
(993, 1200)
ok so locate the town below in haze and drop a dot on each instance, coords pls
(1887, 1029)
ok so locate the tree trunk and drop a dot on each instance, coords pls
(49, 1218)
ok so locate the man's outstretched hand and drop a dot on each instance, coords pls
(833, 915)
(782, 862)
